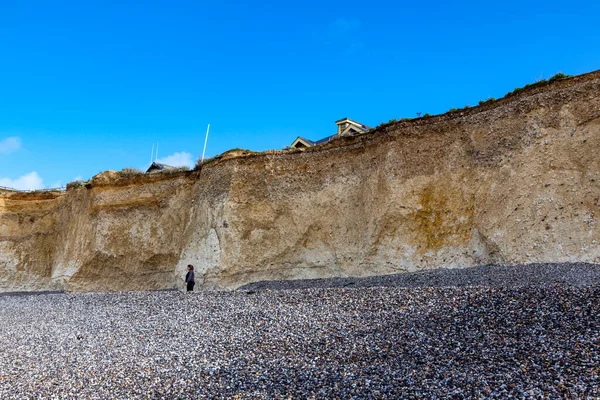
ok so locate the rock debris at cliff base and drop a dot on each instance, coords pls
(529, 341)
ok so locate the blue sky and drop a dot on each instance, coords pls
(90, 86)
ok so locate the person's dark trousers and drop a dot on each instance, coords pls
(190, 286)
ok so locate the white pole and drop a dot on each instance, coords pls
(152, 153)
(156, 159)
(205, 140)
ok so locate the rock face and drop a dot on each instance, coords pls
(514, 181)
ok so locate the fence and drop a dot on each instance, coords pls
(58, 189)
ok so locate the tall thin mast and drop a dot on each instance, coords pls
(205, 141)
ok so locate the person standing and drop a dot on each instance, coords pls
(189, 278)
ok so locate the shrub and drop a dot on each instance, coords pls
(558, 77)
(538, 83)
(490, 99)
(76, 184)
(529, 85)
(515, 91)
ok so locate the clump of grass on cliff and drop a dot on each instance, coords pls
(131, 171)
(558, 77)
(76, 184)
(394, 120)
(489, 100)
(539, 83)
(200, 163)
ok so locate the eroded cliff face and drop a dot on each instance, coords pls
(516, 181)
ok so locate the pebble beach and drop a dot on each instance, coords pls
(487, 332)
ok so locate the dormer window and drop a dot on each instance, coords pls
(346, 127)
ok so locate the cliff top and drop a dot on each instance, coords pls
(126, 177)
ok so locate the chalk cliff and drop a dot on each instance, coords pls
(512, 181)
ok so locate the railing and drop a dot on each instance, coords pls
(57, 189)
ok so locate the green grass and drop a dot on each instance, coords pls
(489, 100)
(558, 77)
(76, 184)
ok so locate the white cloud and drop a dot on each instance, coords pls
(178, 160)
(10, 145)
(30, 181)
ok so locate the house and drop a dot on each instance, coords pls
(158, 167)
(346, 127)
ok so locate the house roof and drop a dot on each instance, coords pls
(159, 167)
(307, 141)
(325, 140)
(312, 142)
(352, 125)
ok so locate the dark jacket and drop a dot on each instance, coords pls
(189, 277)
